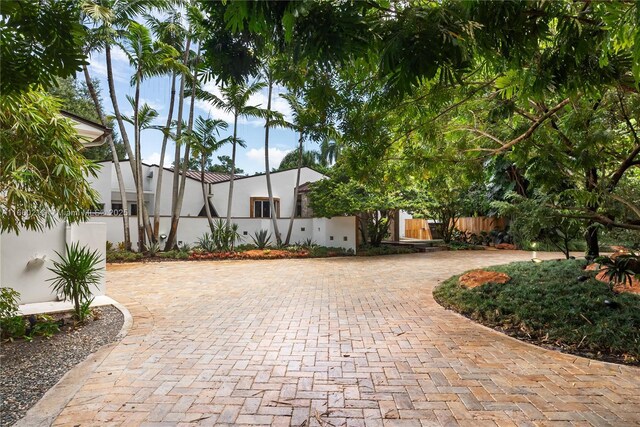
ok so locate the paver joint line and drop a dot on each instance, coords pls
(345, 341)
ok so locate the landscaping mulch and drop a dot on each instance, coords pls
(29, 369)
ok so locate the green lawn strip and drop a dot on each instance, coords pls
(547, 304)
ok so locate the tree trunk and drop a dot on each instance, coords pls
(591, 235)
(205, 194)
(233, 168)
(173, 231)
(163, 150)
(116, 112)
(116, 160)
(175, 216)
(295, 190)
(272, 206)
(138, 153)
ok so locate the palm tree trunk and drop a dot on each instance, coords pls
(205, 195)
(139, 182)
(175, 218)
(233, 168)
(272, 206)
(163, 150)
(116, 160)
(295, 191)
(116, 111)
(173, 230)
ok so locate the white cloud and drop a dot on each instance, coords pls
(152, 159)
(275, 156)
(99, 67)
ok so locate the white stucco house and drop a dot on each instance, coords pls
(26, 256)
(250, 205)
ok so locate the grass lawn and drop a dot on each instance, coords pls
(546, 304)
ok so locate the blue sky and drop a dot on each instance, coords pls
(155, 92)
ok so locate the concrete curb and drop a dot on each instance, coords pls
(47, 409)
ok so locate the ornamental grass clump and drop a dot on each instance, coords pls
(76, 272)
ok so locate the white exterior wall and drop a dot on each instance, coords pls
(190, 230)
(107, 186)
(283, 185)
(25, 258)
(403, 216)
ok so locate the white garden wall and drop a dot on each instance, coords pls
(25, 258)
(320, 230)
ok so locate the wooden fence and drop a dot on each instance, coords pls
(417, 229)
(477, 224)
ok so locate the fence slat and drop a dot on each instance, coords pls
(417, 229)
(480, 223)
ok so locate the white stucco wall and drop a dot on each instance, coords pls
(30, 278)
(283, 184)
(190, 230)
(403, 216)
(108, 188)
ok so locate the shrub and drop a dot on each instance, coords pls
(76, 272)
(225, 236)
(44, 326)
(207, 243)
(11, 323)
(548, 303)
(261, 238)
(620, 269)
(124, 256)
(153, 248)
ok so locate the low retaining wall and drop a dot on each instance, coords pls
(26, 257)
(336, 232)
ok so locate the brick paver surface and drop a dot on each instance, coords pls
(349, 341)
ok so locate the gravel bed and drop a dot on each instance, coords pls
(29, 369)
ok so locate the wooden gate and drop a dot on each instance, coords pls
(417, 229)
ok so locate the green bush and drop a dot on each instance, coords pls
(367, 250)
(175, 254)
(125, 256)
(548, 302)
(76, 272)
(11, 323)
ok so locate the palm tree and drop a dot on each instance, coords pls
(169, 31)
(205, 142)
(148, 58)
(116, 161)
(306, 121)
(107, 21)
(271, 119)
(235, 97)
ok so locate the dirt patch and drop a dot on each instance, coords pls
(476, 278)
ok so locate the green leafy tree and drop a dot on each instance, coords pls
(235, 100)
(224, 165)
(39, 41)
(205, 142)
(42, 171)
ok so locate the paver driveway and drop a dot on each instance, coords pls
(350, 341)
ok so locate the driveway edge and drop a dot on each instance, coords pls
(46, 410)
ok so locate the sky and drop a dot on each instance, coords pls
(156, 92)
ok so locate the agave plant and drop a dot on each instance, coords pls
(207, 243)
(76, 272)
(261, 238)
